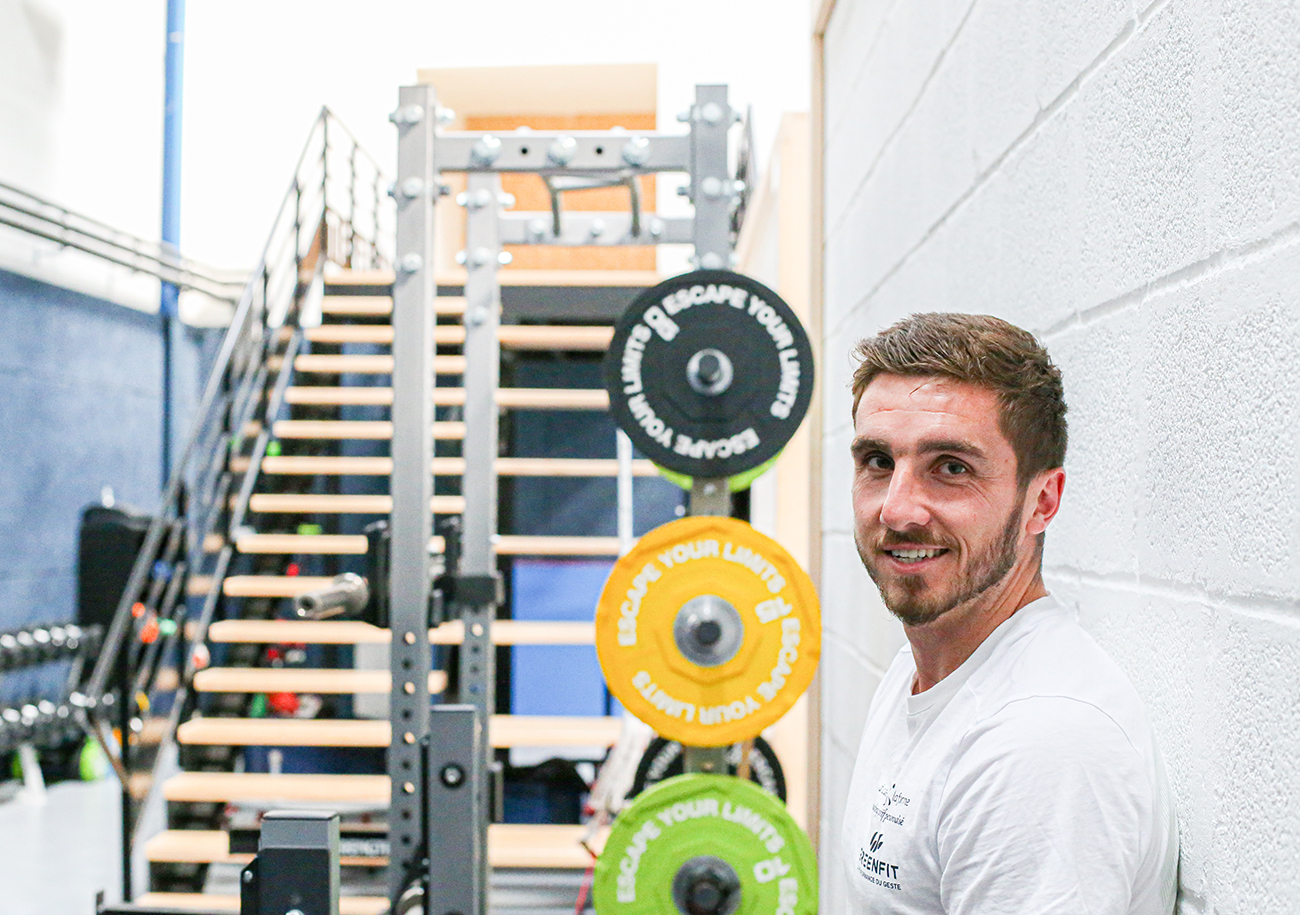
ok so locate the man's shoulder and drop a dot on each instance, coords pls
(1053, 674)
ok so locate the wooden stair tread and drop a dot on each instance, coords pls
(356, 545)
(503, 731)
(511, 336)
(446, 466)
(444, 396)
(382, 305)
(272, 585)
(354, 632)
(313, 503)
(302, 680)
(510, 845)
(217, 787)
(213, 902)
(370, 430)
(358, 364)
(510, 277)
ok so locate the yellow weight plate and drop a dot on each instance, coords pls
(708, 631)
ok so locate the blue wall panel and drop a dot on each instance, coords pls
(556, 679)
(80, 408)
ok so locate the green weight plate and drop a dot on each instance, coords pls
(739, 483)
(717, 841)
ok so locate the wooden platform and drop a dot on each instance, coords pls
(302, 680)
(510, 845)
(504, 731)
(351, 632)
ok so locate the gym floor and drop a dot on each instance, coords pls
(55, 857)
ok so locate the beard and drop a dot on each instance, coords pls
(916, 603)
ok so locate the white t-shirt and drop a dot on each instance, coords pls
(1026, 782)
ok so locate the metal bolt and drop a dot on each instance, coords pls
(408, 688)
(294, 912)
(460, 257)
(410, 263)
(684, 116)
(537, 228)
(477, 316)
(407, 115)
(248, 876)
(597, 228)
(504, 258)
(412, 188)
(408, 788)
(446, 115)
(485, 151)
(636, 151)
(408, 737)
(506, 200)
(712, 187)
(561, 151)
(452, 775)
(711, 113)
(480, 257)
(656, 227)
(711, 261)
(475, 201)
(409, 638)
(738, 186)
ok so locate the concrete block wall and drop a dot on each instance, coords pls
(1123, 179)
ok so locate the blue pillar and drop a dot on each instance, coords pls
(171, 208)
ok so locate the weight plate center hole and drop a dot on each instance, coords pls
(706, 886)
(708, 630)
(709, 372)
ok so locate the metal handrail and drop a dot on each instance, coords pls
(34, 215)
(240, 389)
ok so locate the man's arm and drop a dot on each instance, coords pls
(1047, 811)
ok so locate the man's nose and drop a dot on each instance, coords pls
(904, 504)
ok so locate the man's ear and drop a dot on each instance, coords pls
(1044, 496)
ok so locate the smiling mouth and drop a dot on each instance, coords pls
(915, 554)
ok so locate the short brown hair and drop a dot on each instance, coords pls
(991, 353)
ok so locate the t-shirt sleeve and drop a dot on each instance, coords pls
(1042, 814)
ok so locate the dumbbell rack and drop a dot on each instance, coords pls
(442, 816)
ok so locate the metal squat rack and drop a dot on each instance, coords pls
(438, 757)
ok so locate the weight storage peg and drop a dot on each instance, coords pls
(708, 631)
(709, 373)
(663, 759)
(706, 845)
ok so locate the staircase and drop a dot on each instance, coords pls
(321, 479)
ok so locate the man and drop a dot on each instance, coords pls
(1007, 766)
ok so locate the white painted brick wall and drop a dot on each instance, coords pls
(1122, 178)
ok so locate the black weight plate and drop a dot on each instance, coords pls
(663, 759)
(690, 430)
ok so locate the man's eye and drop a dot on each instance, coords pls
(878, 461)
(952, 468)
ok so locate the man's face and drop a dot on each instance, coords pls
(938, 514)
